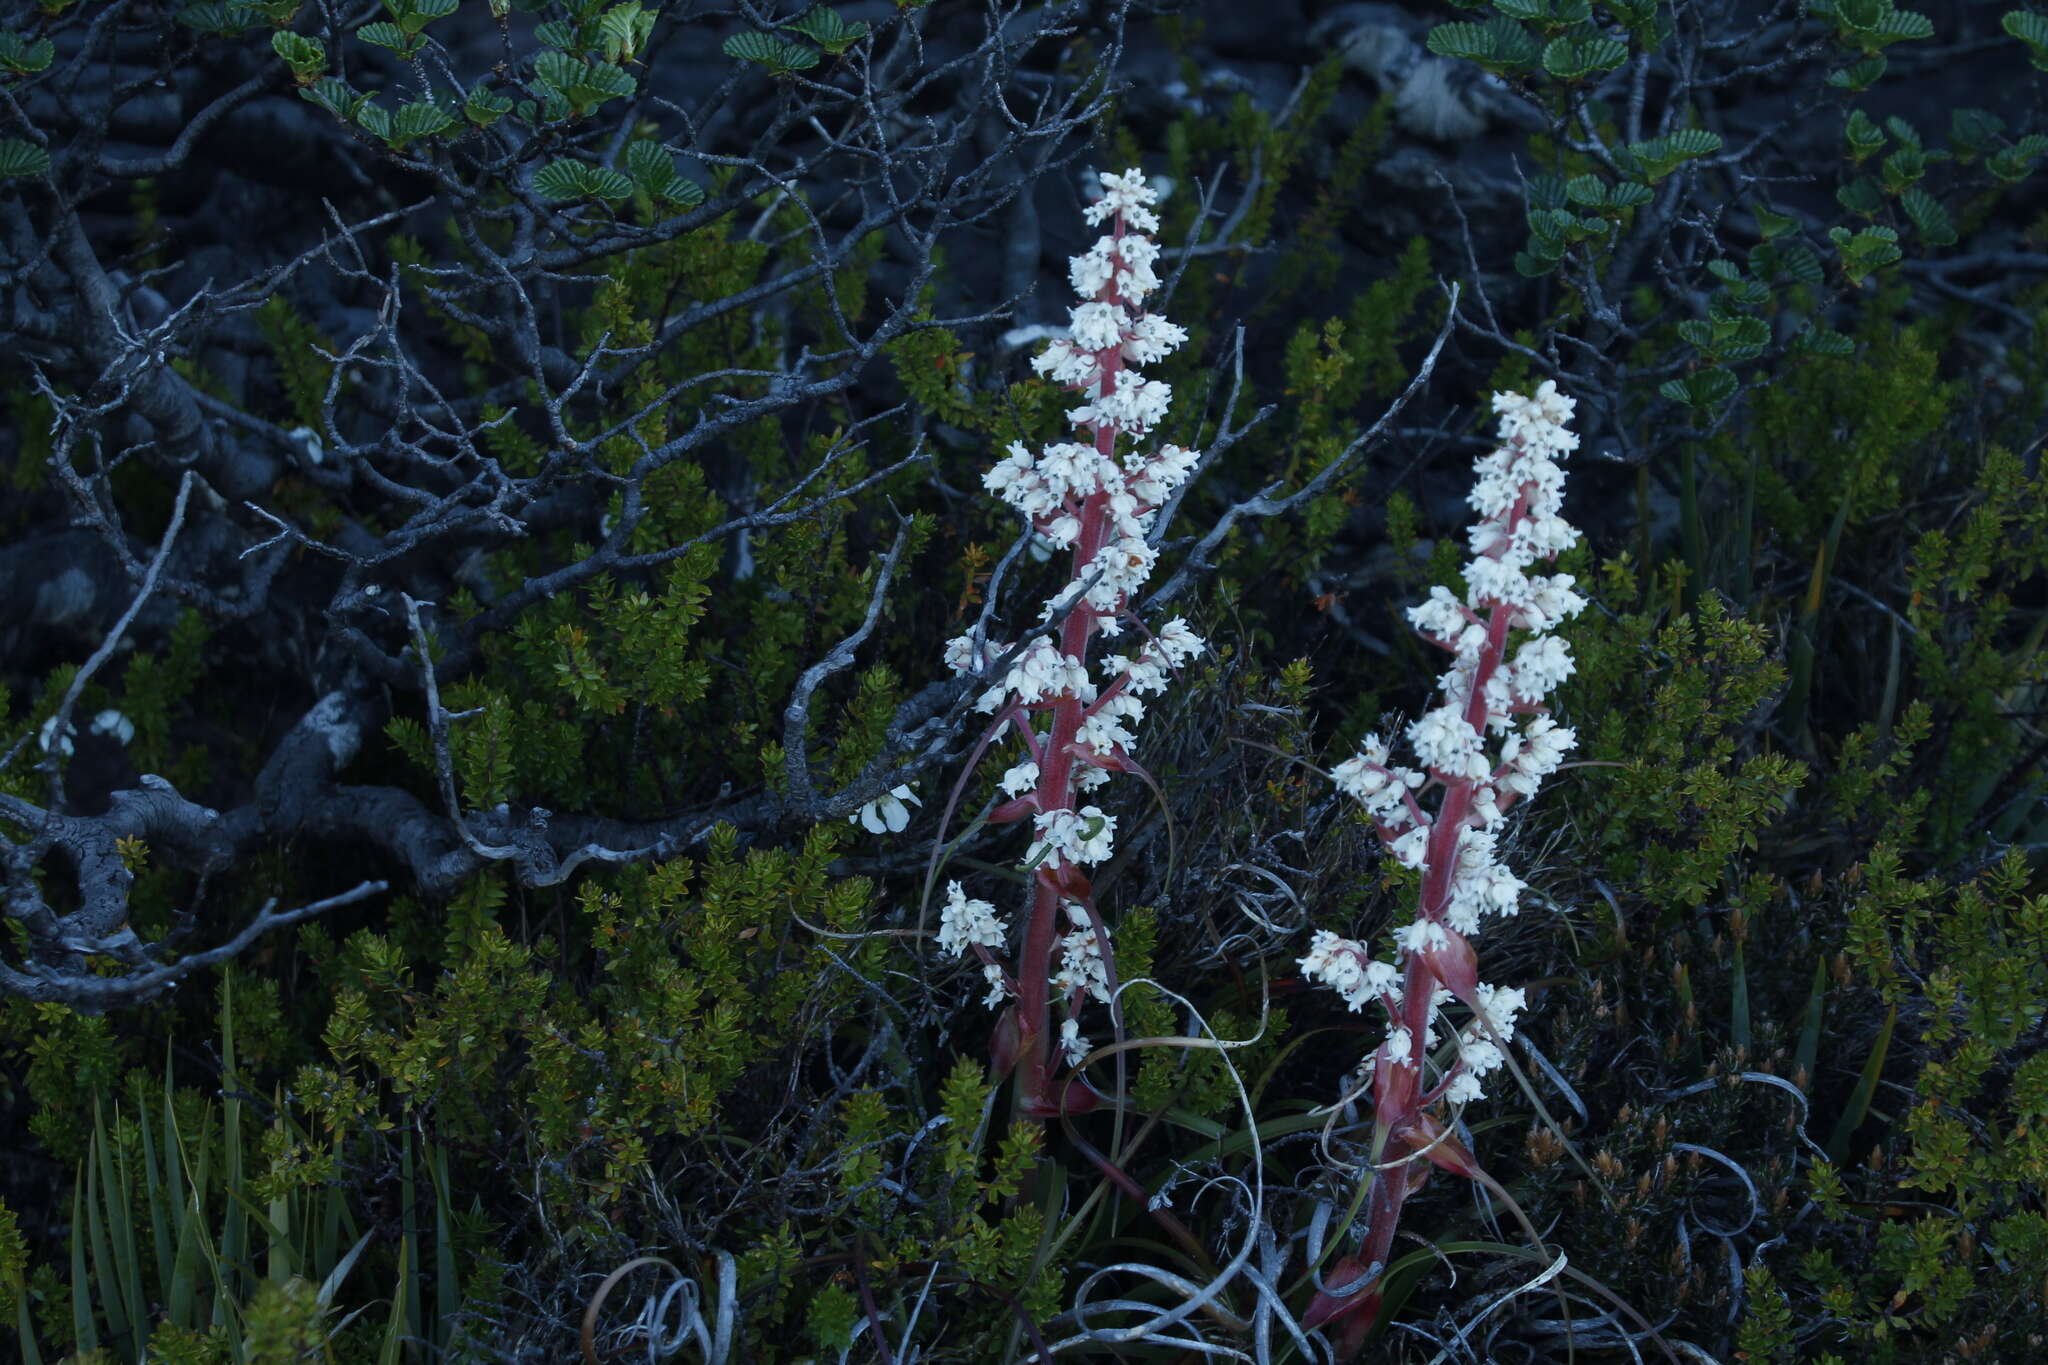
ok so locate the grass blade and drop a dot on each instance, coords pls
(1745, 534)
(394, 1329)
(162, 1214)
(82, 1325)
(1738, 1005)
(1809, 1033)
(1866, 1087)
(234, 1232)
(282, 1261)
(409, 1283)
(26, 1331)
(127, 1252)
(447, 1280)
(188, 1190)
(1691, 537)
(331, 1286)
(328, 1241)
(100, 1213)
(1890, 702)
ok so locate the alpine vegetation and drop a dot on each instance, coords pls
(1517, 495)
(1074, 728)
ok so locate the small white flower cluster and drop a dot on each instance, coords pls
(1071, 1041)
(966, 923)
(1021, 778)
(1482, 884)
(1068, 482)
(1447, 746)
(1042, 675)
(1082, 967)
(109, 722)
(1127, 194)
(1479, 1054)
(1039, 675)
(1348, 969)
(1367, 778)
(1173, 646)
(1518, 494)
(1534, 754)
(887, 811)
(1071, 836)
(51, 738)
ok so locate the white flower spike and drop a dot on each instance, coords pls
(1097, 497)
(1518, 492)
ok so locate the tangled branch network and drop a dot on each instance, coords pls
(339, 546)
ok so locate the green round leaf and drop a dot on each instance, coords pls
(769, 51)
(391, 36)
(211, 16)
(1513, 48)
(374, 118)
(556, 69)
(1463, 42)
(1590, 190)
(608, 185)
(1573, 58)
(1824, 342)
(2015, 163)
(566, 179)
(561, 179)
(20, 159)
(296, 48)
(2028, 27)
(825, 28)
(331, 94)
(485, 106)
(24, 58)
(414, 15)
(1903, 25)
(1860, 76)
(420, 119)
(1701, 389)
